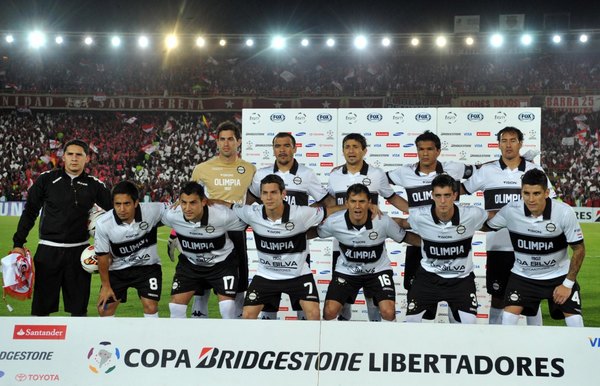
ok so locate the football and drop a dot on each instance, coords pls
(95, 214)
(88, 260)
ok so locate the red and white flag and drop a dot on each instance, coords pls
(147, 127)
(54, 144)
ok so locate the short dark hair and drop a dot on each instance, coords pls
(358, 189)
(356, 137)
(77, 142)
(283, 134)
(443, 180)
(535, 177)
(273, 179)
(429, 136)
(228, 125)
(126, 187)
(193, 187)
(510, 129)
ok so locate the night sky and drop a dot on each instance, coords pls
(267, 17)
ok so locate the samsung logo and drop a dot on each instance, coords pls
(310, 145)
(408, 145)
(423, 117)
(277, 117)
(398, 133)
(526, 117)
(374, 117)
(324, 118)
(327, 154)
(395, 252)
(475, 117)
(477, 243)
(300, 134)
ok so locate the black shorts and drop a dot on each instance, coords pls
(344, 288)
(528, 293)
(295, 306)
(56, 268)
(429, 289)
(223, 277)
(412, 263)
(241, 253)
(498, 266)
(268, 292)
(146, 279)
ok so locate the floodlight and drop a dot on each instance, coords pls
(115, 41)
(441, 41)
(414, 42)
(222, 42)
(200, 41)
(36, 39)
(249, 42)
(10, 39)
(583, 38)
(304, 42)
(496, 40)
(143, 41)
(88, 40)
(386, 42)
(171, 41)
(59, 40)
(469, 41)
(526, 40)
(360, 42)
(556, 39)
(330, 42)
(278, 42)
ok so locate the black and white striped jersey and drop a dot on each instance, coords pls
(130, 244)
(540, 243)
(281, 245)
(362, 250)
(205, 243)
(500, 185)
(446, 246)
(372, 177)
(418, 185)
(300, 183)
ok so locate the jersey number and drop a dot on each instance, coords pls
(384, 280)
(153, 283)
(228, 282)
(309, 286)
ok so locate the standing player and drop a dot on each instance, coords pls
(446, 272)
(500, 182)
(363, 261)
(416, 180)
(207, 259)
(357, 171)
(540, 230)
(125, 245)
(282, 246)
(226, 177)
(64, 196)
(300, 183)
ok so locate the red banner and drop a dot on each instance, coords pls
(157, 103)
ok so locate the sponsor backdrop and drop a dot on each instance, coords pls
(62, 351)
(467, 135)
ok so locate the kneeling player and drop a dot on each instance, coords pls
(363, 260)
(446, 272)
(207, 259)
(125, 244)
(540, 230)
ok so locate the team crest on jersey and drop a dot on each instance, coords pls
(550, 227)
(514, 296)
(209, 229)
(412, 305)
(241, 169)
(341, 280)
(297, 180)
(461, 229)
(252, 295)
(144, 225)
(373, 235)
(175, 284)
(289, 226)
(366, 181)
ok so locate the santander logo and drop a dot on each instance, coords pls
(39, 332)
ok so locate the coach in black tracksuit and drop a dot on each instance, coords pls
(65, 197)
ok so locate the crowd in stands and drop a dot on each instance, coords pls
(303, 74)
(158, 150)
